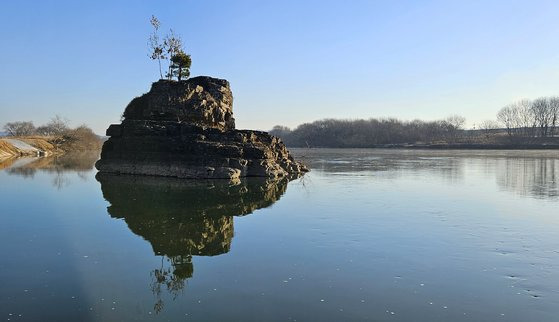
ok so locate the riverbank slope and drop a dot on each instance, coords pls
(12, 147)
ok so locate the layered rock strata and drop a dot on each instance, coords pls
(186, 129)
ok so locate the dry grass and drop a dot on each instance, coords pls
(79, 139)
(7, 149)
(40, 142)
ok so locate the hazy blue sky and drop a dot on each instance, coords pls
(288, 62)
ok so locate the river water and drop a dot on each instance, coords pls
(367, 235)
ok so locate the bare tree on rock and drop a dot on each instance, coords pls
(157, 50)
(173, 46)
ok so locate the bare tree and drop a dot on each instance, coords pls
(43, 130)
(57, 126)
(157, 50)
(541, 108)
(525, 122)
(456, 121)
(455, 124)
(19, 128)
(508, 117)
(554, 110)
(488, 127)
(518, 119)
(172, 45)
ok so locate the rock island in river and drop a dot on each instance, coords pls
(186, 129)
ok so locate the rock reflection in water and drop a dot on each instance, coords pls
(184, 218)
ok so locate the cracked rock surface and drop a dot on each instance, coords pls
(186, 129)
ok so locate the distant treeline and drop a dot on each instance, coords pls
(523, 122)
(529, 119)
(57, 132)
(367, 133)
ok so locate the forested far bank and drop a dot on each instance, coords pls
(364, 133)
(333, 133)
(523, 123)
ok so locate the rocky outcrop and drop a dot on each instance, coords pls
(186, 129)
(202, 101)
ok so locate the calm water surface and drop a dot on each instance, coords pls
(373, 235)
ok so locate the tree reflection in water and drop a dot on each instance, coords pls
(184, 218)
(172, 278)
(528, 173)
(57, 166)
(533, 177)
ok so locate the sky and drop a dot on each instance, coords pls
(288, 62)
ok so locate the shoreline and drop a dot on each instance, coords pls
(460, 146)
(44, 146)
(15, 147)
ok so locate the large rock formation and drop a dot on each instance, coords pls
(186, 129)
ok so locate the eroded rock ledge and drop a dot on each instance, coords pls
(186, 129)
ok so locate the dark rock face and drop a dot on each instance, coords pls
(186, 129)
(202, 101)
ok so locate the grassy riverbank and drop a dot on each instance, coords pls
(47, 145)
